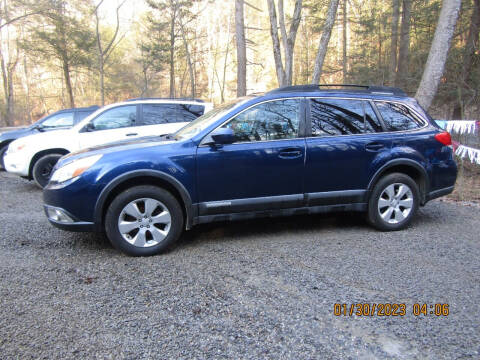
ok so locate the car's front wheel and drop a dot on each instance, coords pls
(42, 170)
(144, 220)
(393, 202)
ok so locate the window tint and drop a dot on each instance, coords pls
(169, 113)
(187, 113)
(154, 114)
(82, 115)
(59, 120)
(342, 117)
(119, 117)
(272, 120)
(372, 124)
(397, 117)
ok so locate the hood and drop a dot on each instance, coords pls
(17, 133)
(118, 146)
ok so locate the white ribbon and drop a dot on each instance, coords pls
(465, 151)
(461, 126)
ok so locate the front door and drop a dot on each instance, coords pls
(263, 169)
(115, 124)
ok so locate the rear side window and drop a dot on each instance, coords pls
(80, 115)
(342, 117)
(154, 114)
(397, 117)
(187, 113)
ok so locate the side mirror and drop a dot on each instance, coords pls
(89, 127)
(223, 136)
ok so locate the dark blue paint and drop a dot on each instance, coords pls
(258, 169)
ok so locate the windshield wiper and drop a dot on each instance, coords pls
(167, 137)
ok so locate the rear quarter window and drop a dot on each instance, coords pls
(398, 117)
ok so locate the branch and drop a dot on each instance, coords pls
(253, 7)
(107, 49)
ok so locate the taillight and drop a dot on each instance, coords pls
(444, 138)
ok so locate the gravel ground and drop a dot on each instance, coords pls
(249, 290)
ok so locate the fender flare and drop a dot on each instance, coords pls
(187, 200)
(407, 162)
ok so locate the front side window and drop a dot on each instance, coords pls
(119, 117)
(342, 117)
(59, 120)
(397, 117)
(273, 120)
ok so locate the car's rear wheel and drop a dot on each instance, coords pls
(3, 150)
(42, 170)
(394, 202)
(144, 221)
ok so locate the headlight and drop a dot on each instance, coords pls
(74, 169)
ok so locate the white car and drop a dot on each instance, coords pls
(34, 157)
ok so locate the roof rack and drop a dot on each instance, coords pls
(167, 98)
(373, 89)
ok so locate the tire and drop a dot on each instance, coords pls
(151, 218)
(42, 170)
(393, 202)
(3, 150)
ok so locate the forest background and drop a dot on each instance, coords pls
(57, 54)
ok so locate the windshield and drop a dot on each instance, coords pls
(206, 120)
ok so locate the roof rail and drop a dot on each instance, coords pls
(166, 98)
(343, 87)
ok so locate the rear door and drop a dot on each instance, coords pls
(346, 136)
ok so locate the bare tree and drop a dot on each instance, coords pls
(471, 46)
(241, 48)
(392, 69)
(103, 53)
(324, 40)
(284, 74)
(438, 52)
(403, 51)
(344, 42)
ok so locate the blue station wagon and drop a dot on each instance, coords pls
(294, 150)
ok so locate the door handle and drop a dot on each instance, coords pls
(290, 153)
(131, 134)
(374, 146)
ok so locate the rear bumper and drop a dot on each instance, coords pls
(439, 193)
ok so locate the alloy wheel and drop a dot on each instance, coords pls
(144, 222)
(395, 203)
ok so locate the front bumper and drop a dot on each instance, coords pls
(62, 219)
(16, 163)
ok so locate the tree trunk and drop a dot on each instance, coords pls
(392, 69)
(403, 52)
(438, 52)
(469, 54)
(324, 40)
(284, 75)
(277, 54)
(241, 49)
(344, 43)
(68, 83)
(172, 51)
(189, 59)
